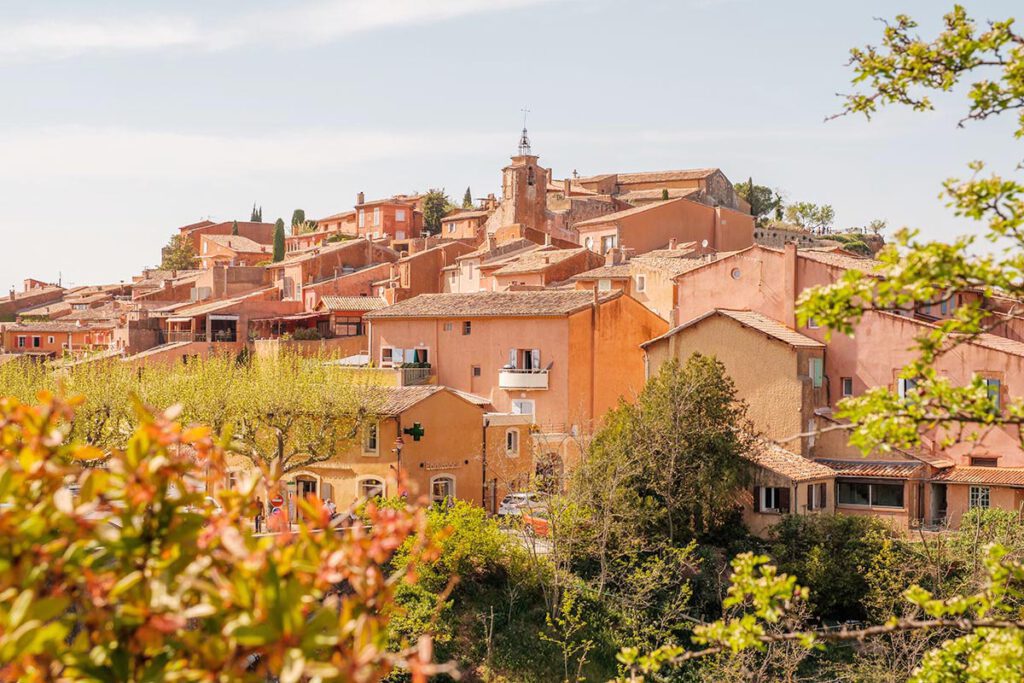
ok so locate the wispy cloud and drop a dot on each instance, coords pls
(313, 21)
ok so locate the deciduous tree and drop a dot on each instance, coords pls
(435, 205)
(764, 201)
(179, 254)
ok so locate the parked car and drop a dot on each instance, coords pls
(517, 503)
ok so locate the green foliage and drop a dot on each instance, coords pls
(810, 216)
(257, 214)
(307, 334)
(830, 554)
(467, 199)
(765, 203)
(234, 227)
(179, 254)
(664, 194)
(435, 205)
(298, 217)
(278, 240)
(134, 576)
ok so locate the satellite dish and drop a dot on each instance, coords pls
(704, 244)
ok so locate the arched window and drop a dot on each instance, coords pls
(370, 487)
(442, 488)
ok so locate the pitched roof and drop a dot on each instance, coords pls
(537, 261)
(796, 468)
(47, 326)
(335, 216)
(985, 340)
(840, 260)
(661, 176)
(237, 243)
(755, 321)
(352, 303)
(998, 476)
(873, 469)
(617, 272)
(619, 215)
(462, 215)
(657, 194)
(397, 400)
(544, 303)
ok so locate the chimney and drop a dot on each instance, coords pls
(611, 257)
(491, 202)
(12, 294)
(672, 243)
(360, 199)
(789, 285)
(567, 187)
(547, 239)
(490, 243)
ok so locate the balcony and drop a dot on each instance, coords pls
(515, 379)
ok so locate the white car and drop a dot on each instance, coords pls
(517, 503)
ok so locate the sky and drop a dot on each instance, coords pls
(121, 120)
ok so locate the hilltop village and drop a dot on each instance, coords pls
(506, 335)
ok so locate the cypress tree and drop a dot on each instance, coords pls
(467, 200)
(278, 240)
(664, 194)
(234, 227)
(254, 216)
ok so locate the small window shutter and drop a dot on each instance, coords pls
(810, 496)
(326, 490)
(784, 499)
(512, 357)
(824, 495)
(757, 499)
(535, 359)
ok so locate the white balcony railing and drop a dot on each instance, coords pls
(516, 379)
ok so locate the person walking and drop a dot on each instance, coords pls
(259, 512)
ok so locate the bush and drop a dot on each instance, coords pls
(830, 554)
(307, 334)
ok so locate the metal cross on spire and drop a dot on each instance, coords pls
(524, 141)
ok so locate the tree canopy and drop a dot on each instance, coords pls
(179, 254)
(278, 240)
(435, 205)
(765, 203)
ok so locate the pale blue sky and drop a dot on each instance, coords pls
(121, 120)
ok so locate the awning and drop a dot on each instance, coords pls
(179, 320)
(294, 316)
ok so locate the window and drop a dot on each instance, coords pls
(447, 327)
(905, 386)
(604, 285)
(370, 487)
(993, 391)
(50, 340)
(530, 175)
(348, 327)
(816, 370)
(944, 306)
(390, 357)
(362, 218)
(451, 227)
(512, 442)
(370, 438)
(772, 499)
(399, 215)
(589, 243)
(984, 462)
(847, 386)
(232, 480)
(735, 274)
(641, 283)
(476, 370)
(812, 324)
(467, 327)
(817, 496)
(37, 342)
(376, 216)
(21, 342)
(979, 497)
(469, 270)
(524, 359)
(609, 242)
(875, 494)
(442, 488)
(522, 406)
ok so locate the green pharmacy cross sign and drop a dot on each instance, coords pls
(416, 431)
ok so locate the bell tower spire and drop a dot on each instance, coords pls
(524, 140)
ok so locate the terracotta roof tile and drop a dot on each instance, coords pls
(656, 194)
(463, 215)
(873, 469)
(619, 215)
(756, 321)
(47, 326)
(794, 467)
(239, 244)
(352, 303)
(840, 260)
(996, 476)
(661, 176)
(397, 400)
(537, 261)
(618, 272)
(543, 303)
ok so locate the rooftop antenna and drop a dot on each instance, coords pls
(524, 141)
